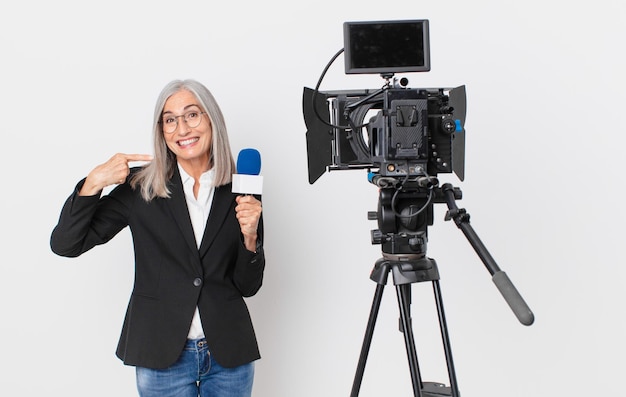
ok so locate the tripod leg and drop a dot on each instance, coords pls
(367, 341)
(403, 291)
(446, 339)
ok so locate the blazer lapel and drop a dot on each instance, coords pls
(178, 206)
(222, 204)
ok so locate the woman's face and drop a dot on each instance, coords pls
(191, 144)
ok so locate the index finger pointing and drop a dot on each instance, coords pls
(138, 157)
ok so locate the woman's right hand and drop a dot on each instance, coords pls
(113, 172)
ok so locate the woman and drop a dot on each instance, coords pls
(198, 250)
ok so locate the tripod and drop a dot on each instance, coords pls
(405, 273)
(403, 220)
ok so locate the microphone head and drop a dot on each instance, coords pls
(249, 162)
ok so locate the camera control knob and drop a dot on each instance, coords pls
(377, 236)
(448, 125)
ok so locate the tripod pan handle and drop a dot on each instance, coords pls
(513, 298)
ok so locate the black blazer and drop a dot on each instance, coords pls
(172, 276)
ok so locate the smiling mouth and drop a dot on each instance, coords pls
(186, 142)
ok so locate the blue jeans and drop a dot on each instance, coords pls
(195, 374)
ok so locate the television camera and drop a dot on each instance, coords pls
(414, 134)
(404, 137)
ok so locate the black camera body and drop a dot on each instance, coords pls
(397, 132)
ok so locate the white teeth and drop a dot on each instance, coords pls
(187, 141)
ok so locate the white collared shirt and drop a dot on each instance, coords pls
(199, 209)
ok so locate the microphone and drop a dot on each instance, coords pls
(247, 179)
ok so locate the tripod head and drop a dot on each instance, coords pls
(405, 210)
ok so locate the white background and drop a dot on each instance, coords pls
(544, 186)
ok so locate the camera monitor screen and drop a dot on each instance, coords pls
(386, 47)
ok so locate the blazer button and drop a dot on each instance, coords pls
(197, 282)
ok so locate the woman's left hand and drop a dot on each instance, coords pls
(248, 212)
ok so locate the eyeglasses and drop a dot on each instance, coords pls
(192, 118)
